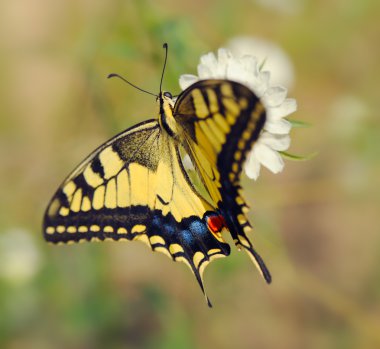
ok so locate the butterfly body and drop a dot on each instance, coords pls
(136, 186)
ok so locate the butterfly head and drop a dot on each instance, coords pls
(166, 118)
(165, 97)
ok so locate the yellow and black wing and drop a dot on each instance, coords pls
(220, 121)
(135, 187)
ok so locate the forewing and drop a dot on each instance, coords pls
(107, 195)
(221, 120)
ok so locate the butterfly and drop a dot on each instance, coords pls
(172, 182)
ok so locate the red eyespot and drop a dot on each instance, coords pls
(216, 223)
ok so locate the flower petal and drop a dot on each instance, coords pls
(275, 96)
(209, 60)
(275, 141)
(260, 84)
(278, 126)
(236, 72)
(187, 163)
(249, 63)
(252, 166)
(269, 158)
(204, 72)
(287, 107)
(185, 80)
(224, 56)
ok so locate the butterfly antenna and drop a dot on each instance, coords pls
(165, 46)
(125, 80)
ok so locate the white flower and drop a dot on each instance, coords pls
(267, 53)
(246, 70)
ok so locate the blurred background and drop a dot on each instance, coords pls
(316, 224)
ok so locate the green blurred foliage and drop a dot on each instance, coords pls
(316, 224)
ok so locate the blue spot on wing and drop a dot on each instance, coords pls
(198, 228)
(169, 229)
(187, 237)
(156, 221)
